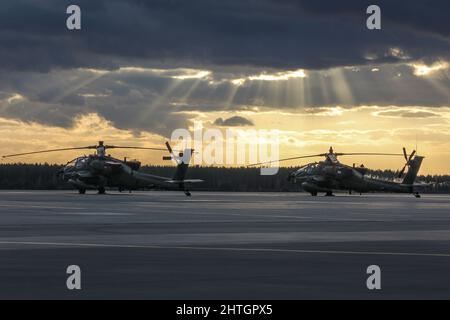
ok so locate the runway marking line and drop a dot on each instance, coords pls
(131, 246)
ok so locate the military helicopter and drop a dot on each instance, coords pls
(328, 175)
(99, 170)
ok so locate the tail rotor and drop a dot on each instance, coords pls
(408, 161)
(181, 157)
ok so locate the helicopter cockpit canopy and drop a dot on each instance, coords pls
(307, 169)
(78, 163)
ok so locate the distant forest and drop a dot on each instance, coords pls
(43, 177)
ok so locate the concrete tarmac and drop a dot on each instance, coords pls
(163, 245)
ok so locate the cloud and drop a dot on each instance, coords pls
(148, 66)
(203, 33)
(160, 100)
(235, 121)
(407, 114)
(59, 98)
(416, 17)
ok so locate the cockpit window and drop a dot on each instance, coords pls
(71, 163)
(308, 169)
(81, 163)
(302, 170)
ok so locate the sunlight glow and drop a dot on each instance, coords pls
(16, 97)
(193, 74)
(279, 76)
(424, 70)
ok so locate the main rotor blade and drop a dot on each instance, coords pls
(45, 151)
(405, 154)
(139, 148)
(286, 159)
(367, 154)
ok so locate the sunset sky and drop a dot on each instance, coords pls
(310, 69)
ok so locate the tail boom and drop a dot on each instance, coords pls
(413, 170)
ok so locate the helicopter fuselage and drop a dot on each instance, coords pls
(326, 177)
(99, 172)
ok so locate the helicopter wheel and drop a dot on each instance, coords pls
(314, 193)
(101, 190)
(82, 191)
(329, 194)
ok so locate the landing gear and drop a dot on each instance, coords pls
(329, 194)
(82, 191)
(101, 190)
(314, 193)
(417, 195)
(187, 193)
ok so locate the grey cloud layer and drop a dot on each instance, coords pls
(236, 121)
(281, 34)
(157, 101)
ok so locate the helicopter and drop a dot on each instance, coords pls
(330, 174)
(99, 170)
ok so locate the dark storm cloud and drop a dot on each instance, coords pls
(421, 16)
(264, 33)
(236, 121)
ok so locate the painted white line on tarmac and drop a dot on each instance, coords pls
(274, 250)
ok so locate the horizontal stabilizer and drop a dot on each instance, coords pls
(185, 181)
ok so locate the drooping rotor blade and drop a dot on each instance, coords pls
(336, 154)
(286, 159)
(45, 151)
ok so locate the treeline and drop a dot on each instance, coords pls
(43, 177)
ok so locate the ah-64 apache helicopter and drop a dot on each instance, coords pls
(328, 175)
(99, 170)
